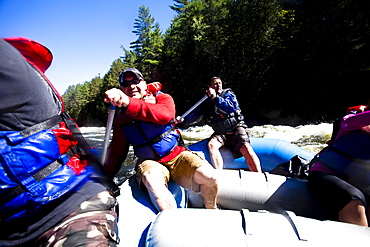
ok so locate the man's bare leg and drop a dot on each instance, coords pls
(159, 194)
(205, 176)
(251, 158)
(354, 213)
(214, 152)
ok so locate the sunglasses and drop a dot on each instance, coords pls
(125, 83)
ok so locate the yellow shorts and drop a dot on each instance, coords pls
(180, 169)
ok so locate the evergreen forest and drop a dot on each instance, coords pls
(288, 61)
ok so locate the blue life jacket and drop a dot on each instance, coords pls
(349, 158)
(222, 122)
(33, 172)
(47, 161)
(150, 140)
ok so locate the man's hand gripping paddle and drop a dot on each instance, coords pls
(153, 88)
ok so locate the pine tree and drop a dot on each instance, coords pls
(148, 46)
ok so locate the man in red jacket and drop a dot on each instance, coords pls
(146, 122)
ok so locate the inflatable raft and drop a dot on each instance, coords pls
(271, 152)
(220, 228)
(258, 209)
(136, 212)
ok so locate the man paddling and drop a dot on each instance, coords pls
(221, 111)
(146, 122)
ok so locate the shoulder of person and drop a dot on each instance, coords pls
(226, 92)
(163, 96)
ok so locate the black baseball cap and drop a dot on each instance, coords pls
(135, 71)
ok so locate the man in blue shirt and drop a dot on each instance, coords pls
(221, 111)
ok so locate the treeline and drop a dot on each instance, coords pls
(288, 61)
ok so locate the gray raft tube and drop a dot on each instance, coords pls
(220, 228)
(239, 189)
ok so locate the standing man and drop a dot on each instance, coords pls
(51, 193)
(146, 122)
(221, 111)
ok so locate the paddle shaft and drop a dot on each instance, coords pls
(194, 106)
(108, 128)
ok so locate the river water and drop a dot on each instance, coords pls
(310, 137)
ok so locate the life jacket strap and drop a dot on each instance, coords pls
(46, 171)
(51, 122)
(156, 138)
(100, 174)
(38, 176)
(11, 194)
(81, 148)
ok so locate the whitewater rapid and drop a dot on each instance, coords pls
(313, 138)
(310, 137)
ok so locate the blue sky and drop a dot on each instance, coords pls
(85, 36)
